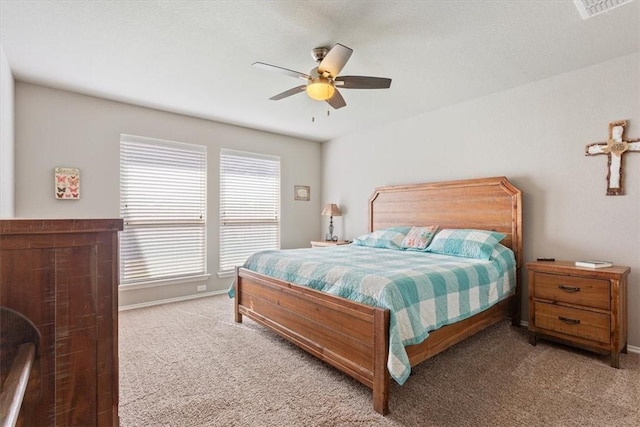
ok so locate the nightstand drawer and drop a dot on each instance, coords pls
(570, 321)
(573, 290)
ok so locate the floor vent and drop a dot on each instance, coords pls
(591, 8)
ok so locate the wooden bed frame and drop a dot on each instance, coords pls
(354, 337)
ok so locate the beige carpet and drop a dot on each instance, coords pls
(189, 364)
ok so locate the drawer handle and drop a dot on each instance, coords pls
(567, 320)
(570, 289)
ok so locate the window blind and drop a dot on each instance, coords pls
(249, 206)
(163, 188)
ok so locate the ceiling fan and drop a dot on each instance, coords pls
(323, 81)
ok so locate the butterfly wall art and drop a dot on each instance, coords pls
(67, 183)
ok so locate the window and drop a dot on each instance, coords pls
(249, 206)
(163, 187)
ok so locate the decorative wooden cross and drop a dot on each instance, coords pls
(614, 148)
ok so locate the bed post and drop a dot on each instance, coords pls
(236, 299)
(381, 355)
(516, 246)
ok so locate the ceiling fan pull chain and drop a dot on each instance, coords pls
(328, 113)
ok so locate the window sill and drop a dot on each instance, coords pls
(226, 274)
(156, 283)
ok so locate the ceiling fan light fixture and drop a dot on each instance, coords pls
(320, 89)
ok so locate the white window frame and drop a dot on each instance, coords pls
(243, 206)
(164, 240)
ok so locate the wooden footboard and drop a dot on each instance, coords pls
(350, 336)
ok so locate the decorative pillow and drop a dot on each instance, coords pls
(419, 238)
(465, 243)
(390, 238)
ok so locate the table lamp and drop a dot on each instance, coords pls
(331, 210)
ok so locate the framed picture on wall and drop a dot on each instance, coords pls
(67, 183)
(302, 192)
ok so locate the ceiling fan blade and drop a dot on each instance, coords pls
(335, 60)
(362, 82)
(289, 92)
(336, 101)
(281, 70)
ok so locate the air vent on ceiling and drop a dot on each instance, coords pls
(590, 8)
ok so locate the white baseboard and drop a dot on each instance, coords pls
(630, 348)
(170, 300)
(633, 349)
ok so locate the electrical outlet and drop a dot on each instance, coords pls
(202, 287)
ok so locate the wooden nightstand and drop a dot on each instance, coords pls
(585, 307)
(325, 243)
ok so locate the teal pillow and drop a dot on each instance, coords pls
(466, 243)
(389, 238)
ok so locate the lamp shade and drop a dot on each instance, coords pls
(331, 210)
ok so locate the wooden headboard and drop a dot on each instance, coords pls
(486, 204)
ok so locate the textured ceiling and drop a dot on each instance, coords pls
(194, 57)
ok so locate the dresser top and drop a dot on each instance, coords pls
(569, 267)
(47, 226)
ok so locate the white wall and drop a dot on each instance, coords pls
(7, 203)
(58, 128)
(536, 136)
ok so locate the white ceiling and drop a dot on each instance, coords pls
(194, 57)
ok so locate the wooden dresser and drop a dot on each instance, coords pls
(585, 307)
(63, 276)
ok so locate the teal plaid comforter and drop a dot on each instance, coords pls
(423, 291)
